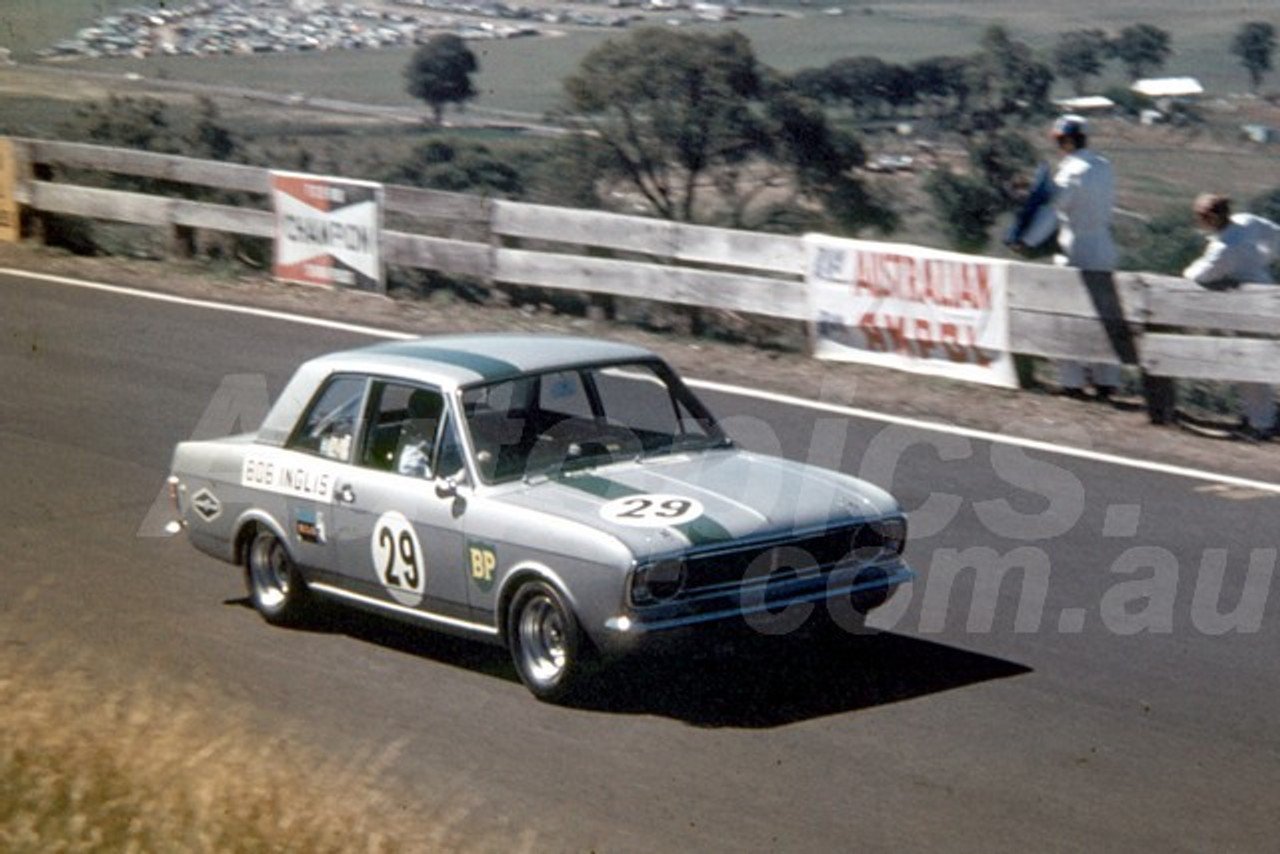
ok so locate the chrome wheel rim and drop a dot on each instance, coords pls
(543, 654)
(269, 568)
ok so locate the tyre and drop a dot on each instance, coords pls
(275, 586)
(547, 645)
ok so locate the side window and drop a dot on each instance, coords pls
(449, 462)
(404, 421)
(329, 426)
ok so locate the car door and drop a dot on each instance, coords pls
(398, 542)
(301, 475)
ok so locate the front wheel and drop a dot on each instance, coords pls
(275, 586)
(546, 642)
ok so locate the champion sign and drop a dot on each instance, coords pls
(327, 231)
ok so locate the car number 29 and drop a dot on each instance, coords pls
(652, 510)
(398, 560)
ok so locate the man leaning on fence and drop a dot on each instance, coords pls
(1240, 249)
(1082, 195)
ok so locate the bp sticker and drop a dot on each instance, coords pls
(398, 561)
(651, 511)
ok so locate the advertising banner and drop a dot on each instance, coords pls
(910, 308)
(327, 231)
(10, 222)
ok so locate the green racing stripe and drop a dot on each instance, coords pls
(700, 532)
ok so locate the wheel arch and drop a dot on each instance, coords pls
(247, 528)
(518, 578)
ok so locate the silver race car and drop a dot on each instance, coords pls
(567, 497)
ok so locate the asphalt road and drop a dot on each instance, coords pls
(1117, 691)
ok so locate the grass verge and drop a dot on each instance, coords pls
(147, 767)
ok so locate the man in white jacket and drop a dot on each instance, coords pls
(1240, 249)
(1084, 197)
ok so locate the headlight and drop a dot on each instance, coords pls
(879, 539)
(893, 533)
(657, 582)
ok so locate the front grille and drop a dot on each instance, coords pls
(783, 557)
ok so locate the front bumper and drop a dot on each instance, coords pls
(840, 590)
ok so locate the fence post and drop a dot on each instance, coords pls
(182, 241)
(10, 209)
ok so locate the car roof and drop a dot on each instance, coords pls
(461, 360)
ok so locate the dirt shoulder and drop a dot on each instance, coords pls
(1122, 429)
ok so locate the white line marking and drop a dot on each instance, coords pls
(772, 397)
(267, 313)
(998, 438)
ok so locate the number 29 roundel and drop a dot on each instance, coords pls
(398, 560)
(651, 510)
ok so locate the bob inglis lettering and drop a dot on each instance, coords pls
(299, 480)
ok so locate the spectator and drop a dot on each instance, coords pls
(1080, 196)
(1084, 195)
(1240, 249)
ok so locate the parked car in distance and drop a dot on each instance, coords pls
(569, 498)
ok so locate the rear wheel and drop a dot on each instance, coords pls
(548, 647)
(275, 586)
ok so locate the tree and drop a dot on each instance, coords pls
(139, 123)
(1079, 55)
(1254, 43)
(670, 107)
(820, 159)
(1008, 80)
(702, 131)
(440, 72)
(1003, 159)
(209, 139)
(442, 165)
(1143, 48)
(1165, 244)
(943, 80)
(967, 208)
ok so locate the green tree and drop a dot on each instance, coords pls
(967, 207)
(1254, 43)
(209, 138)
(125, 122)
(1165, 245)
(1143, 48)
(443, 165)
(439, 73)
(1080, 55)
(670, 108)
(820, 160)
(702, 131)
(1007, 79)
(1003, 159)
(1267, 204)
(944, 81)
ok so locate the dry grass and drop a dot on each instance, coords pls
(138, 769)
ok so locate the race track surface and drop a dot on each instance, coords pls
(1115, 689)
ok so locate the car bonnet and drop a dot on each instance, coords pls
(681, 501)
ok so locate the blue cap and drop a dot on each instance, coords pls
(1070, 125)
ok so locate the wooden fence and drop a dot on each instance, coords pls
(1166, 326)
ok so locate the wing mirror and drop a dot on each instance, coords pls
(447, 487)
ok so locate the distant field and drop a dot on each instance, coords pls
(1159, 168)
(526, 74)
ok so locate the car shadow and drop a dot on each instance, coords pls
(771, 682)
(740, 681)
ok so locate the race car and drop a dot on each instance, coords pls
(567, 497)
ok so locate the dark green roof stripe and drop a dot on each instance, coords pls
(701, 531)
(485, 366)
